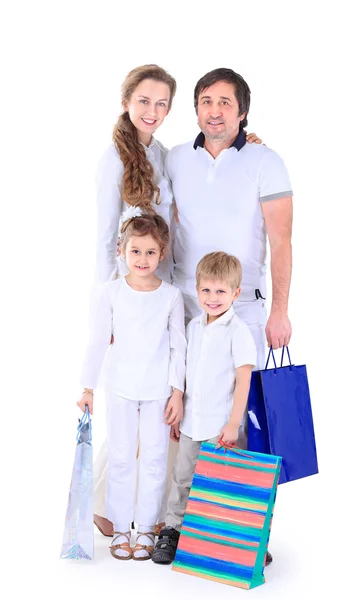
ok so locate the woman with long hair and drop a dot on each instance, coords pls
(131, 171)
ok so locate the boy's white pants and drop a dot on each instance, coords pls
(123, 504)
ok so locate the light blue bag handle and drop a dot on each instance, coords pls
(274, 361)
(82, 422)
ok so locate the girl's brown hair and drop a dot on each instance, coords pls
(153, 225)
(138, 188)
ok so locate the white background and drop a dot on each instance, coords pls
(62, 67)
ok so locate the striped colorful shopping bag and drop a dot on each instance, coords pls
(228, 517)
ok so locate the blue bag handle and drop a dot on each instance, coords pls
(274, 361)
(289, 357)
(82, 422)
(273, 356)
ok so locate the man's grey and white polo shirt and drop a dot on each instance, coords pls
(219, 207)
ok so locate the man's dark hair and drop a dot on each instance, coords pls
(241, 89)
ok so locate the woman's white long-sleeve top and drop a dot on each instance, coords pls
(110, 205)
(147, 359)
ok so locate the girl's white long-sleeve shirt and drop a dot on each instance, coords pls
(110, 205)
(147, 359)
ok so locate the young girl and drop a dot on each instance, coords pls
(143, 377)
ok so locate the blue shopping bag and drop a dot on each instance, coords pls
(280, 418)
(78, 539)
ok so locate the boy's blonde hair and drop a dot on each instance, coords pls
(222, 266)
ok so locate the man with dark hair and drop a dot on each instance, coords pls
(230, 196)
(240, 88)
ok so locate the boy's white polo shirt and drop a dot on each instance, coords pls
(213, 354)
(219, 207)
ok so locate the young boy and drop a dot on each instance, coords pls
(220, 357)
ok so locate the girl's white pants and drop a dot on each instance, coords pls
(125, 419)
